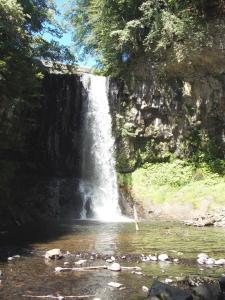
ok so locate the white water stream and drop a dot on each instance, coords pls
(98, 185)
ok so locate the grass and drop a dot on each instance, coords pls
(179, 182)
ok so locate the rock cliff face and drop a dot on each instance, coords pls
(181, 112)
(40, 181)
(61, 121)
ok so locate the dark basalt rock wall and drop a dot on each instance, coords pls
(41, 180)
(60, 134)
(154, 119)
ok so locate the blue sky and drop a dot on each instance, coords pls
(67, 39)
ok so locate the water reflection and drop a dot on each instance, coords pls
(30, 273)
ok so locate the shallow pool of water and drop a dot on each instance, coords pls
(32, 275)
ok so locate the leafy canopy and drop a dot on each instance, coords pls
(22, 47)
(119, 31)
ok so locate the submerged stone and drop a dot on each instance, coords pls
(115, 284)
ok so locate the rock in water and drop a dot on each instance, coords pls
(53, 254)
(114, 267)
(208, 291)
(115, 284)
(145, 289)
(10, 258)
(203, 255)
(220, 262)
(58, 269)
(163, 257)
(80, 262)
(210, 261)
(164, 291)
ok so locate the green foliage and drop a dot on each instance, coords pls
(125, 180)
(22, 46)
(130, 28)
(22, 24)
(175, 174)
(178, 182)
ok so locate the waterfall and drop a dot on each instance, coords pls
(98, 184)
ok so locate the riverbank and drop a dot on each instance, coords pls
(178, 190)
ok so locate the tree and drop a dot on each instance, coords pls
(22, 47)
(115, 29)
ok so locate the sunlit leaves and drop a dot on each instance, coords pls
(150, 27)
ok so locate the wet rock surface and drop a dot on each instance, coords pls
(188, 289)
(162, 291)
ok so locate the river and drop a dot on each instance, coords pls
(30, 274)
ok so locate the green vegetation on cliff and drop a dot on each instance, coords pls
(121, 31)
(177, 183)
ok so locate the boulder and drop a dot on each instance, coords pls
(54, 254)
(222, 283)
(163, 291)
(208, 291)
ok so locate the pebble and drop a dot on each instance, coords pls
(123, 257)
(115, 284)
(168, 280)
(58, 269)
(176, 260)
(153, 258)
(54, 254)
(201, 260)
(203, 256)
(210, 261)
(137, 273)
(66, 263)
(10, 258)
(16, 256)
(113, 258)
(163, 257)
(92, 258)
(115, 267)
(220, 262)
(180, 278)
(145, 289)
(109, 261)
(80, 262)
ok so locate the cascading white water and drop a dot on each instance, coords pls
(98, 185)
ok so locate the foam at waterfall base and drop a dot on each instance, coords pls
(104, 215)
(117, 219)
